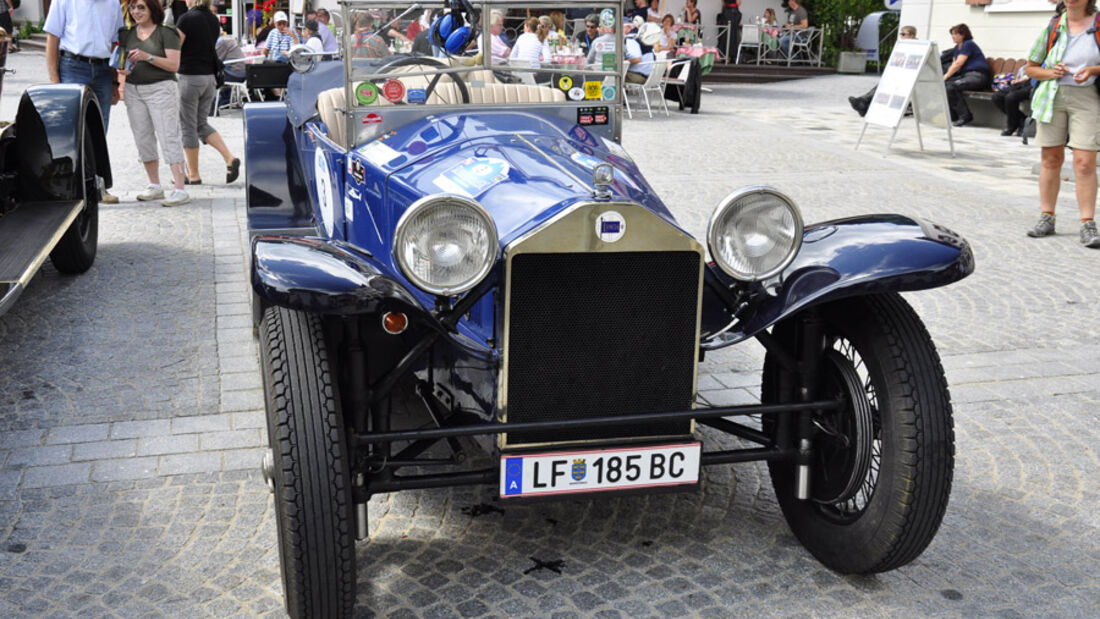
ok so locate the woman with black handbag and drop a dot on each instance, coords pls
(199, 29)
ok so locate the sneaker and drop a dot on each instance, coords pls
(107, 198)
(152, 192)
(176, 197)
(1089, 237)
(1045, 227)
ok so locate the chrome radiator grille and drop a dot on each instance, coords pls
(601, 334)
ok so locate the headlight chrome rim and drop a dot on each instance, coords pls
(427, 202)
(713, 231)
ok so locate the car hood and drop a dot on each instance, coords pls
(523, 167)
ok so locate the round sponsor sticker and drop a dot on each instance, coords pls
(607, 18)
(393, 91)
(366, 93)
(565, 83)
(576, 93)
(610, 226)
(608, 93)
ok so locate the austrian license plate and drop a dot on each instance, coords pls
(599, 470)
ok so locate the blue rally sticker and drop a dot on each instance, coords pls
(513, 476)
(473, 176)
(416, 95)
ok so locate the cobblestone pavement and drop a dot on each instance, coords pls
(131, 422)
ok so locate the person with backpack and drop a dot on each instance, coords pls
(1065, 59)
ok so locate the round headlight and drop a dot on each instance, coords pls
(755, 233)
(445, 244)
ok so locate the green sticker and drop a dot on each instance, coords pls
(609, 61)
(366, 93)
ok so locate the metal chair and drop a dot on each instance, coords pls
(651, 84)
(750, 37)
(805, 46)
(238, 96)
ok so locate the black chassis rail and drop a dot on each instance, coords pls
(385, 481)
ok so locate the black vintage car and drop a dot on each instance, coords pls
(53, 165)
(445, 248)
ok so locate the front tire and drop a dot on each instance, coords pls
(881, 475)
(313, 504)
(75, 252)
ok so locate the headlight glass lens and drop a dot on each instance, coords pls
(755, 233)
(446, 244)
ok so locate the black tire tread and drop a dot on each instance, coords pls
(920, 511)
(317, 548)
(73, 254)
(924, 441)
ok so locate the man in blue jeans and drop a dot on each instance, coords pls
(79, 37)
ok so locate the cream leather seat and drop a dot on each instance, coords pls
(331, 103)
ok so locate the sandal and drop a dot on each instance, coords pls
(232, 171)
(187, 181)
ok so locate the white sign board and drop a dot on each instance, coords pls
(913, 76)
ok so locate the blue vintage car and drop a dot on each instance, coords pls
(461, 277)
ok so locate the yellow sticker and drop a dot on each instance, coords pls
(593, 90)
(565, 83)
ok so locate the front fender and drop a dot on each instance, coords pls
(50, 125)
(325, 277)
(858, 256)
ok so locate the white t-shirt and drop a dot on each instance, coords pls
(529, 48)
(315, 45)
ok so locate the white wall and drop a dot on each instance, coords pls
(1006, 28)
(29, 10)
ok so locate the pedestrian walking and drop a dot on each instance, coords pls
(1066, 61)
(198, 30)
(152, 54)
(80, 35)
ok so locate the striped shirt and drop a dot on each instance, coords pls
(278, 43)
(1042, 101)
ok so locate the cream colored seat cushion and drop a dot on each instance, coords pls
(331, 103)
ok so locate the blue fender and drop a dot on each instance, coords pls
(319, 276)
(50, 128)
(851, 257)
(276, 195)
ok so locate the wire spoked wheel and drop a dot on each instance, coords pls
(882, 464)
(849, 449)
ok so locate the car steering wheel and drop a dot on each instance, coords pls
(412, 61)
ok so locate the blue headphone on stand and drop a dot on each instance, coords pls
(456, 28)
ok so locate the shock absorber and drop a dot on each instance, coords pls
(809, 365)
(357, 406)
